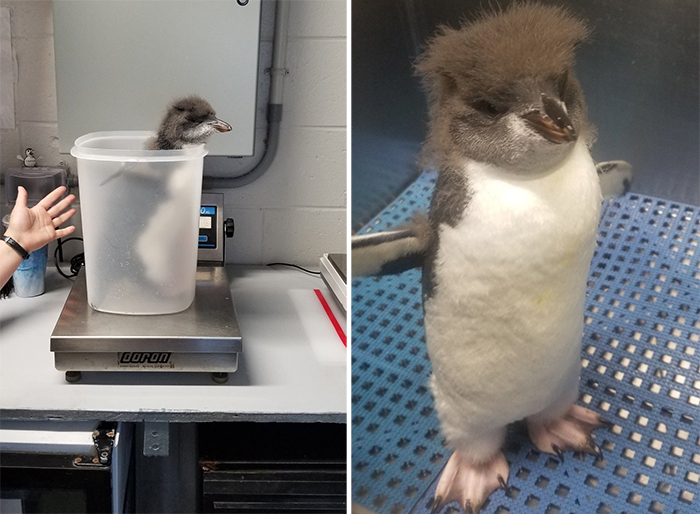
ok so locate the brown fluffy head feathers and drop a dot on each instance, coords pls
(524, 40)
(491, 70)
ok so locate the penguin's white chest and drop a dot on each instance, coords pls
(505, 321)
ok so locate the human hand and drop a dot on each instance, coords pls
(36, 227)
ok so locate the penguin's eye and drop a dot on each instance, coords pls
(489, 109)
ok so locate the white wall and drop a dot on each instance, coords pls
(297, 210)
(35, 85)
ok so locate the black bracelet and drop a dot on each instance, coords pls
(16, 247)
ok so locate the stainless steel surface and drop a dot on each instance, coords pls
(333, 269)
(340, 263)
(214, 255)
(209, 325)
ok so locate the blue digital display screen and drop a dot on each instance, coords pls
(209, 210)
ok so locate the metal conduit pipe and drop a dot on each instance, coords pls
(274, 107)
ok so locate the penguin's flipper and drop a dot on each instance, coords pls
(615, 178)
(390, 252)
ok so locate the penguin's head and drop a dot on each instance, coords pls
(503, 89)
(191, 121)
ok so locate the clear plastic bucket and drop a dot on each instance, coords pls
(140, 216)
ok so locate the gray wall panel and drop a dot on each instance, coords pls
(119, 63)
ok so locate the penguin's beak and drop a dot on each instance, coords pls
(220, 125)
(554, 124)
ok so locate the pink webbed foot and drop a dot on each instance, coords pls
(570, 431)
(470, 483)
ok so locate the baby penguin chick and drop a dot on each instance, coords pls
(512, 227)
(188, 121)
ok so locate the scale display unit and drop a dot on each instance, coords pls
(204, 338)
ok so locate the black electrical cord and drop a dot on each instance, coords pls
(77, 262)
(294, 266)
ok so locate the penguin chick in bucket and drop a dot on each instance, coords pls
(188, 121)
(145, 236)
(508, 242)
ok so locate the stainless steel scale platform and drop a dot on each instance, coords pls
(204, 338)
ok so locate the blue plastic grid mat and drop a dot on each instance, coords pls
(641, 371)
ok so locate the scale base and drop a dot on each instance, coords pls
(204, 338)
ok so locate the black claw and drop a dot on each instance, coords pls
(594, 448)
(436, 505)
(558, 452)
(502, 482)
(605, 422)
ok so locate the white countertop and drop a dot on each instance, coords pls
(285, 372)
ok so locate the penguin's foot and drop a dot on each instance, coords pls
(469, 483)
(570, 431)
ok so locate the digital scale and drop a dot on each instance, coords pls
(204, 338)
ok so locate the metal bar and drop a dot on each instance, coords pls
(168, 483)
(156, 439)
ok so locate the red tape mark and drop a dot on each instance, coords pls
(331, 316)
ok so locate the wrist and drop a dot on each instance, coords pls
(18, 240)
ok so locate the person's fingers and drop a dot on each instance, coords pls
(63, 232)
(60, 206)
(50, 198)
(21, 197)
(58, 220)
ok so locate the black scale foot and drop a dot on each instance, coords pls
(73, 376)
(219, 378)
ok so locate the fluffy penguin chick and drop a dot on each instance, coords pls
(513, 221)
(188, 121)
